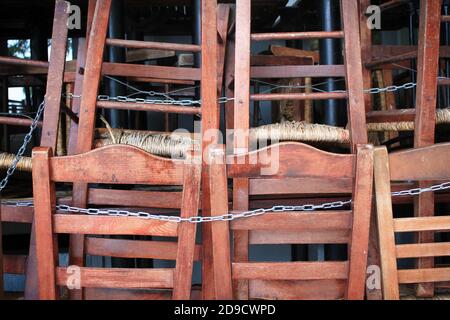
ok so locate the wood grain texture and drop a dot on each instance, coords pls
(292, 160)
(362, 206)
(428, 163)
(107, 165)
(385, 225)
(290, 270)
(120, 278)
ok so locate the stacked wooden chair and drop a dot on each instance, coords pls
(420, 164)
(423, 119)
(297, 169)
(20, 264)
(244, 185)
(117, 165)
(84, 102)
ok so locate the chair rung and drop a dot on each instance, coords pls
(299, 96)
(16, 214)
(423, 275)
(295, 237)
(119, 278)
(391, 116)
(422, 224)
(148, 107)
(105, 225)
(290, 270)
(419, 250)
(275, 72)
(297, 35)
(298, 221)
(297, 290)
(153, 45)
(135, 249)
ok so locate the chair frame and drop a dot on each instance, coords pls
(420, 164)
(120, 165)
(319, 170)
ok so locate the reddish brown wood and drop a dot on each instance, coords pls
(297, 35)
(152, 45)
(149, 107)
(55, 76)
(319, 71)
(210, 126)
(359, 243)
(87, 168)
(427, 224)
(354, 76)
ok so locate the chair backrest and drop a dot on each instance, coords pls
(420, 164)
(116, 164)
(300, 169)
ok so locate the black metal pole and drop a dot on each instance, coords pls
(117, 118)
(329, 55)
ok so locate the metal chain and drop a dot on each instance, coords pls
(199, 219)
(419, 191)
(22, 149)
(184, 102)
(225, 217)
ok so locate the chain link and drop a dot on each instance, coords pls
(225, 217)
(23, 148)
(184, 102)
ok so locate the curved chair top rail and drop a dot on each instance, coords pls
(429, 163)
(114, 164)
(291, 159)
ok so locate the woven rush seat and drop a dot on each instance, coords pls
(442, 117)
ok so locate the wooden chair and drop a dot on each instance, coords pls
(301, 169)
(116, 165)
(421, 164)
(423, 116)
(49, 132)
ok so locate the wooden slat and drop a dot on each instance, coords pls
(108, 166)
(297, 290)
(423, 250)
(428, 163)
(424, 275)
(16, 214)
(137, 198)
(150, 71)
(143, 249)
(56, 74)
(299, 221)
(295, 237)
(320, 71)
(422, 224)
(385, 225)
(153, 45)
(353, 70)
(299, 186)
(298, 96)
(149, 107)
(12, 121)
(361, 206)
(294, 160)
(123, 294)
(14, 264)
(390, 115)
(120, 278)
(297, 35)
(103, 225)
(290, 270)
